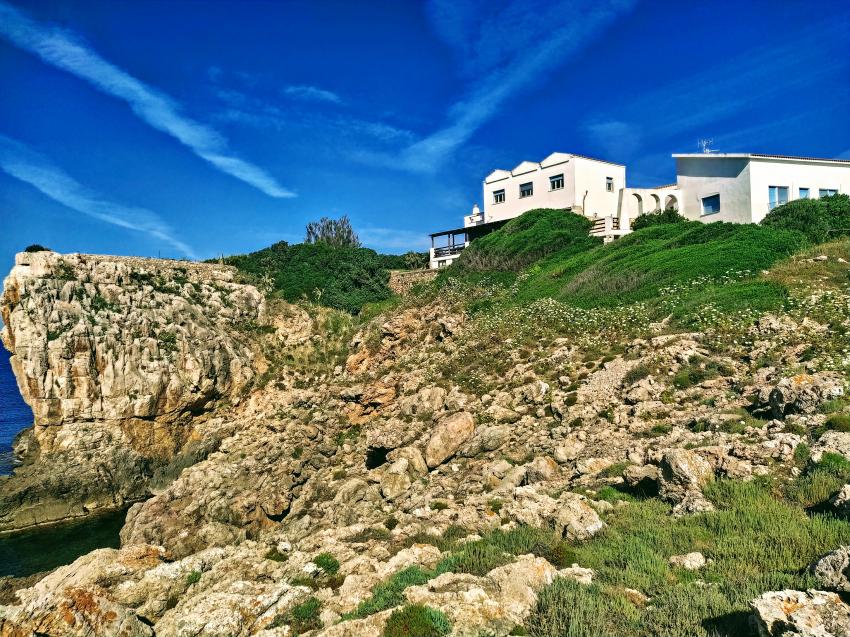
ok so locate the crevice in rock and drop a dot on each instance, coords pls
(376, 456)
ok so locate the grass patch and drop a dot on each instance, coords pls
(416, 620)
(327, 562)
(758, 541)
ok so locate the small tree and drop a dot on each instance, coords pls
(337, 233)
(36, 248)
(415, 260)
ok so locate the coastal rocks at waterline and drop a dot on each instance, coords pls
(117, 358)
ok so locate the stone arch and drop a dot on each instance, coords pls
(656, 202)
(671, 203)
(639, 204)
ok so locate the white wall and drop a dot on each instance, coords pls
(590, 176)
(699, 177)
(543, 196)
(743, 183)
(794, 175)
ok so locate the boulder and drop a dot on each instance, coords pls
(683, 475)
(690, 561)
(449, 434)
(792, 613)
(395, 480)
(801, 394)
(832, 571)
(541, 469)
(841, 500)
(832, 442)
(570, 516)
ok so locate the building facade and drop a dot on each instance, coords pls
(739, 188)
(743, 188)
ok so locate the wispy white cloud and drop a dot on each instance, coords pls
(250, 111)
(502, 52)
(66, 51)
(311, 94)
(24, 164)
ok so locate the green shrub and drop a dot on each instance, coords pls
(343, 277)
(327, 562)
(301, 618)
(528, 238)
(647, 219)
(391, 522)
(818, 219)
(478, 558)
(417, 620)
(276, 556)
(439, 505)
(390, 593)
(193, 578)
(566, 607)
(635, 374)
(838, 422)
(36, 248)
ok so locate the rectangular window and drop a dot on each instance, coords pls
(498, 196)
(777, 195)
(711, 204)
(804, 193)
(609, 184)
(556, 182)
(827, 192)
(526, 190)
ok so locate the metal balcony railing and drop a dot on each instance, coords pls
(447, 251)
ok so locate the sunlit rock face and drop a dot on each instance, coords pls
(119, 358)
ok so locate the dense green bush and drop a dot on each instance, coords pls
(818, 219)
(647, 219)
(327, 562)
(417, 620)
(345, 278)
(36, 248)
(528, 238)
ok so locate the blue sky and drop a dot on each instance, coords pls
(197, 128)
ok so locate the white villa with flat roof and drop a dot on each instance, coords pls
(734, 187)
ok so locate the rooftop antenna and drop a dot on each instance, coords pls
(705, 146)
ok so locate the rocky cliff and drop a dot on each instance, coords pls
(121, 360)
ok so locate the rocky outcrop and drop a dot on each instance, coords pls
(801, 614)
(832, 571)
(119, 359)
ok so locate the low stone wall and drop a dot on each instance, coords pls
(402, 280)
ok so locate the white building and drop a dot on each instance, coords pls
(744, 187)
(740, 188)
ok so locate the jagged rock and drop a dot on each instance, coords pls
(832, 442)
(449, 434)
(832, 571)
(841, 500)
(792, 613)
(396, 480)
(690, 561)
(541, 469)
(117, 356)
(569, 516)
(683, 475)
(568, 451)
(495, 603)
(801, 394)
(636, 474)
(74, 600)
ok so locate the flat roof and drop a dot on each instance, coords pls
(466, 229)
(759, 156)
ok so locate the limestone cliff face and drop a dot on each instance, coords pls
(119, 358)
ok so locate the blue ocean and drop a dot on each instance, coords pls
(15, 415)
